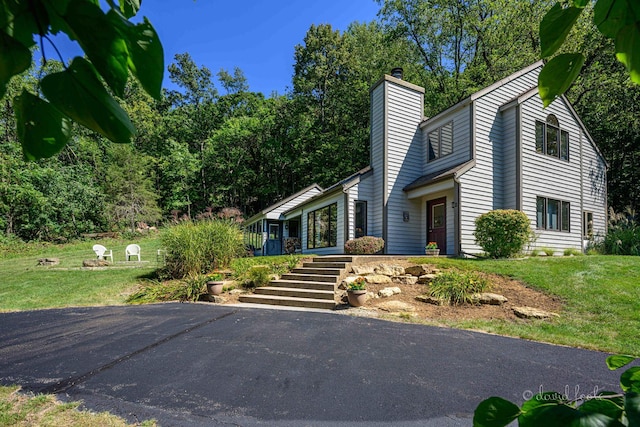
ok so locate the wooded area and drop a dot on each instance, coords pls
(214, 143)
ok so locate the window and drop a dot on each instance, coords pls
(587, 225)
(551, 140)
(322, 227)
(361, 219)
(440, 142)
(553, 214)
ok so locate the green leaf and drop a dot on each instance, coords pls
(14, 59)
(102, 43)
(79, 94)
(612, 15)
(146, 60)
(601, 405)
(129, 8)
(548, 415)
(495, 412)
(42, 130)
(557, 76)
(555, 27)
(19, 23)
(617, 361)
(630, 380)
(580, 3)
(627, 52)
(632, 408)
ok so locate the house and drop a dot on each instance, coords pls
(430, 178)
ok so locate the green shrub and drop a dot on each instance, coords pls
(456, 287)
(548, 251)
(572, 252)
(623, 235)
(366, 245)
(502, 233)
(194, 286)
(199, 247)
(258, 275)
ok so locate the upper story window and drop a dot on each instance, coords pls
(440, 142)
(551, 140)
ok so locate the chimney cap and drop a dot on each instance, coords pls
(397, 72)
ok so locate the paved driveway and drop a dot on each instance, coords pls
(202, 364)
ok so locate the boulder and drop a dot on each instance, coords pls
(217, 299)
(418, 270)
(431, 300)
(533, 313)
(388, 292)
(363, 270)
(389, 270)
(377, 279)
(395, 306)
(488, 298)
(48, 261)
(427, 278)
(407, 279)
(92, 263)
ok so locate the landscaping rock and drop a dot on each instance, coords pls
(363, 270)
(406, 279)
(340, 297)
(92, 263)
(217, 299)
(395, 306)
(389, 270)
(427, 278)
(48, 261)
(418, 270)
(488, 298)
(533, 313)
(431, 300)
(388, 292)
(377, 279)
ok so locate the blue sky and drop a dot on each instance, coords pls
(257, 36)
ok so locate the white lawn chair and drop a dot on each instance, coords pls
(132, 250)
(102, 252)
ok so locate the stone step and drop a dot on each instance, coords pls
(295, 292)
(310, 277)
(288, 301)
(318, 271)
(302, 284)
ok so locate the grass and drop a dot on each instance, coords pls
(601, 296)
(18, 409)
(27, 286)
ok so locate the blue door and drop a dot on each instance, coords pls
(274, 239)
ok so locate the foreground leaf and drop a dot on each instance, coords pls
(611, 15)
(555, 27)
(630, 380)
(618, 361)
(557, 76)
(627, 42)
(42, 130)
(495, 412)
(79, 94)
(632, 408)
(14, 59)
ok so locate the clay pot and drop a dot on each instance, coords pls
(357, 298)
(214, 287)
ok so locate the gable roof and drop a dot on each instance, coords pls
(310, 191)
(441, 175)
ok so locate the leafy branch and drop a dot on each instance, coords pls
(114, 47)
(616, 19)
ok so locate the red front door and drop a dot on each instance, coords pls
(437, 223)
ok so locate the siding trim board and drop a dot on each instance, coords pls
(518, 149)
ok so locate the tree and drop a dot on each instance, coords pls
(77, 93)
(616, 19)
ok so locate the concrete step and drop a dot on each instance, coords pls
(318, 271)
(295, 292)
(288, 301)
(338, 265)
(310, 277)
(303, 284)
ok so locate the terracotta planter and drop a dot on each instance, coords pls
(214, 287)
(432, 252)
(357, 298)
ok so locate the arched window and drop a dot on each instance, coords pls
(551, 140)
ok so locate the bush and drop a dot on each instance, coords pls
(366, 245)
(199, 247)
(258, 275)
(502, 233)
(623, 236)
(457, 288)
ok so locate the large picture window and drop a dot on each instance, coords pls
(440, 142)
(322, 227)
(552, 214)
(551, 140)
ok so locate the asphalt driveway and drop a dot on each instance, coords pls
(208, 365)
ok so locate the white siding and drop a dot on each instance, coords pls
(482, 187)
(594, 185)
(509, 157)
(461, 141)
(377, 159)
(338, 198)
(276, 213)
(363, 192)
(404, 165)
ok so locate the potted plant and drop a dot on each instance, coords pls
(432, 249)
(215, 284)
(357, 292)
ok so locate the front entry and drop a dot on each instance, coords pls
(274, 239)
(437, 223)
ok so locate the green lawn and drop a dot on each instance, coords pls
(601, 295)
(27, 286)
